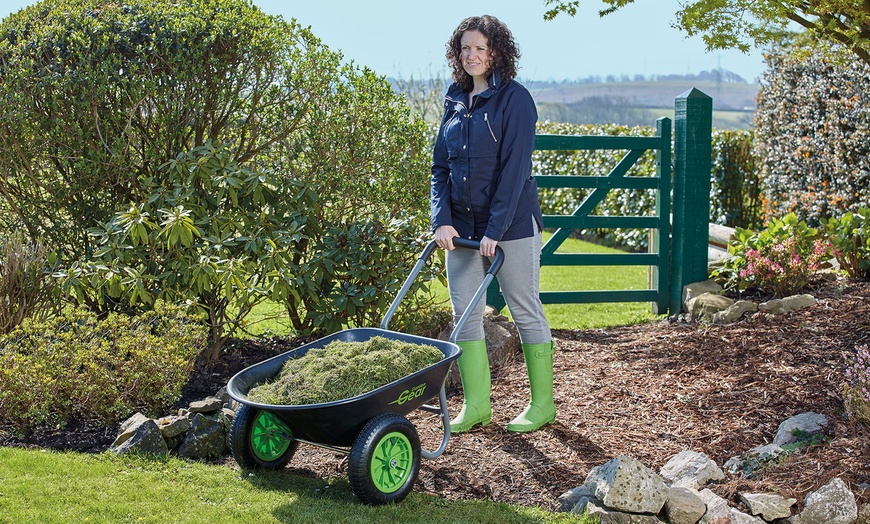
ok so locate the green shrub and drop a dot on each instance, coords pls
(813, 133)
(26, 287)
(780, 259)
(96, 96)
(850, 237)
(735, 191)
(189, 140)
(358, 270)
(76, 366)
(210, 233)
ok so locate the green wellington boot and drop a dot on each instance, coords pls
(541, 410)
(474, 372)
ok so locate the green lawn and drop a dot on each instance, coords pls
(49, 487)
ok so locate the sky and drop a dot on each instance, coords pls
(406, 38)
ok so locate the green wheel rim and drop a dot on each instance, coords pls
(391, 462)
(270, 438)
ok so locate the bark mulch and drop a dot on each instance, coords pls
(647, 391)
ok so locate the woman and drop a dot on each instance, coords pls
(482, 189)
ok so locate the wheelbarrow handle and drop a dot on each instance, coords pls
(494, 268)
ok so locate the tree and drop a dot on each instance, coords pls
(742, 24)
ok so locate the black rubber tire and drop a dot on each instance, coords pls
(247, 432)
(390, 445)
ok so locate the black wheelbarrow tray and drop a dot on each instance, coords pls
(383, 445)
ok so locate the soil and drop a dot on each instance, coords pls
(647, 391)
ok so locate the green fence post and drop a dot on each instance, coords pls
(661, 241)
(693, 120)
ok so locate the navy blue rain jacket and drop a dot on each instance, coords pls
(482, 181)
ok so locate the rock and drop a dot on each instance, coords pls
(206, 438)
(733, 312)
(780, 306)
(135, 420)
(795, 302)
(625, 484)
(833, 503)
(696, 289)
(772, 307)
(172, 426)
(768, 506)
(767, 451)
(570, 500)
(142, 436)
(607, 515)
(208, 405)
(704, 306)
(810, 422)
(719, 512)
(691, 469)
(684, 506)
(737, 465)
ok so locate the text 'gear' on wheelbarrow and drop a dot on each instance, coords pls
(383, 446)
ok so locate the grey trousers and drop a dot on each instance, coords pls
(519, 279)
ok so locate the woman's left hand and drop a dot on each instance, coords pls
(487, 246)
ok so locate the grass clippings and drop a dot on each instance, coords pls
(341, 370)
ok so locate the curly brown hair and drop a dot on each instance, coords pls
(505, 53)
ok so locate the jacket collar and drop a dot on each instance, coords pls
(494, 85)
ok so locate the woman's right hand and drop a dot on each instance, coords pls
(444, 237)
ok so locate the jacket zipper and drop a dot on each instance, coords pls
(486, 119)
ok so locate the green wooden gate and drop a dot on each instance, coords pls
(679, 228)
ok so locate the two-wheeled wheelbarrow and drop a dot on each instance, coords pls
(383, 445)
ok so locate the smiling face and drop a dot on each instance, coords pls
(476, 54)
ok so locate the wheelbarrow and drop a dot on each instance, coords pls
(383, 445)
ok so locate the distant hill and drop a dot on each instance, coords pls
(640, 101)
(729, 91)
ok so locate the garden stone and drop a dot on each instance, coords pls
(795, 302)
(207, 405)
(684, 506)
(768, 506)
(625, 484)
(718, 511)
(691, 469)
(767, 451)
(607, 515)
(779, 306)
(704, 306)
(224, 395)
(772, 307)
(736, 465)
(733, 312)
(833, 503)
(135, 420)
(172, 426)
(206, 438)
(569, 500)
(142, 437)
(696, 289)
(810, 422)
